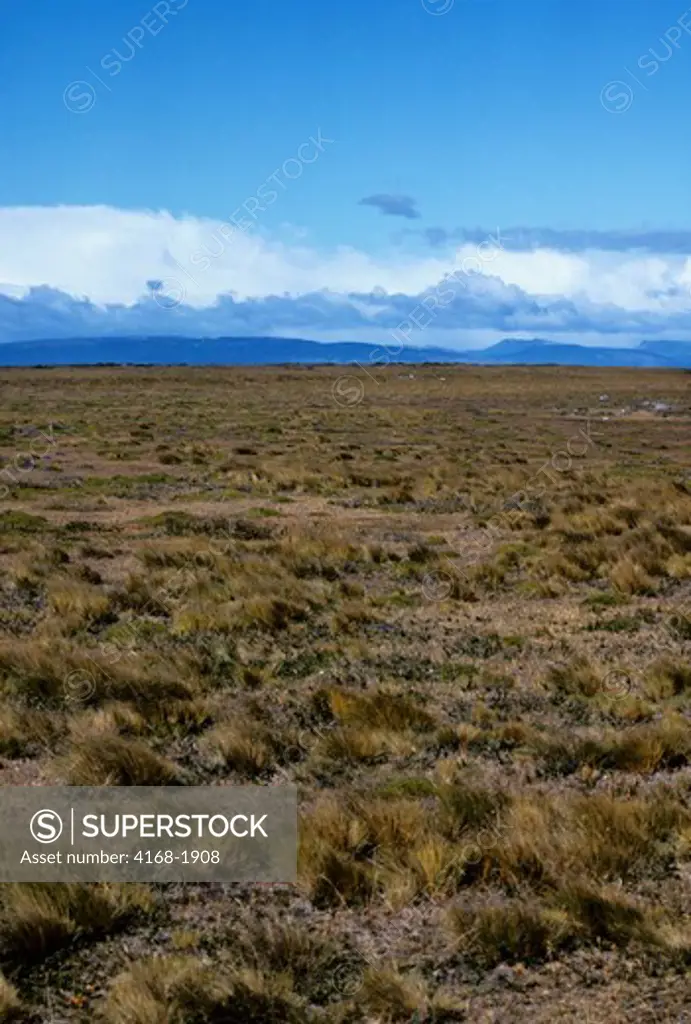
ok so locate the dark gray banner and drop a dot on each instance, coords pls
(148, 834)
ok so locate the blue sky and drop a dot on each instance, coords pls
(131, 131)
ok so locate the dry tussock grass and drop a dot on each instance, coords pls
(354, 599)
(10, 1004)
(99, 759)
(361, 848)
(38, 918)
(176, 990)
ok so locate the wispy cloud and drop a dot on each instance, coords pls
(526, 239)
(393, 205)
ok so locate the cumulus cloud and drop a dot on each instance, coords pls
(85, 271)
(393, 205)
(486, 305)
(109, 255)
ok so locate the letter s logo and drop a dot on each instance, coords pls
(79, 97)
(616, 97)
(46, 826)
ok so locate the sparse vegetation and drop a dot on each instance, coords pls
(484, 701)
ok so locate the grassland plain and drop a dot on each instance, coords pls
(453, 604)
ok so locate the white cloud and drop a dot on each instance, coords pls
(106, 256)
(631, 282)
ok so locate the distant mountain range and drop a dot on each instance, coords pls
(162, 351)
